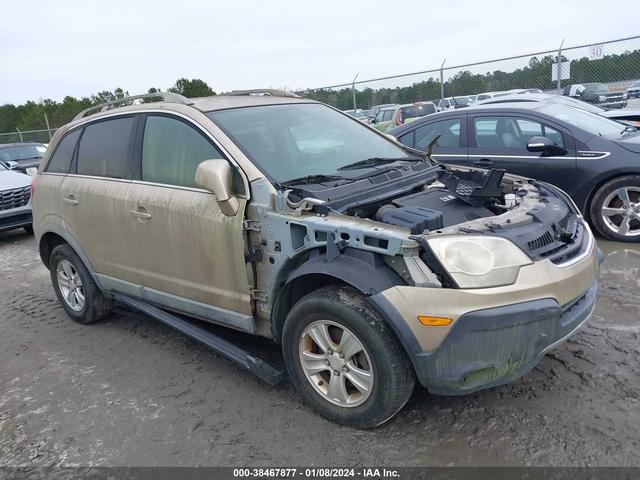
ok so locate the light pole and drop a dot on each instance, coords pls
(353, 91)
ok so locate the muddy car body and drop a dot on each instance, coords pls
(370, 264)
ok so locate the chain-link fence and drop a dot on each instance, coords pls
(40, 136)
(614, 62)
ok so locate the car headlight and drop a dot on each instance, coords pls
(625, 96)
(31, 171)
(602, 98)
(476, 261)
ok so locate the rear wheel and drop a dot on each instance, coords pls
(343, 359)
(76, 291)
(615, 209)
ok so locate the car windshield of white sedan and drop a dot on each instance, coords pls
(294, 140)
(22, 152)
(590, 122)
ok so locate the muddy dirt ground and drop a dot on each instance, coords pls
(129, 391)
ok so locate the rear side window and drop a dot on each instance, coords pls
(103, 150)
(449, 131)
(172, 151)
(61, 159)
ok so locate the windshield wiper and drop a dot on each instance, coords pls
(27, 158)
(375, 161)
(309, 179)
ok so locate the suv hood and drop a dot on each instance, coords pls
(10, 179)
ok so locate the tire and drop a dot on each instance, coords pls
(611, 209)
(95, 306)
(381, 368)
(29, 229)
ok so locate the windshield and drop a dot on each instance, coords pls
(590, 122)
(415, 111)
(596, 87)
(460, 100)
(294, 140)
(572, 102)
(21, 152)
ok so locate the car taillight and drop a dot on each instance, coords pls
(399, 119)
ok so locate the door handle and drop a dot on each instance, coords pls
(483, 162)
(70, 200)
(140, 213)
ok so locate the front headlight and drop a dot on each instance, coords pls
(31, 171)
(602, 98)
(477, 261)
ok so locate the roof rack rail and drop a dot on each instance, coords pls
(272, 92)
(165, 96)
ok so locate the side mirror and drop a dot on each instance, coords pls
(545, 146)
(215, 176)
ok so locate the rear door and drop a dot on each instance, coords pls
(192, 256)
(500, 141)
(95, 200)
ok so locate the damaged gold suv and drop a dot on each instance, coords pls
(369, 263)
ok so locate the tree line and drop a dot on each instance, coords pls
(536, 74)
(31, 115)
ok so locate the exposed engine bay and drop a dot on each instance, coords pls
(452, 199)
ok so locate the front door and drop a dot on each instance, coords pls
(192, 256)
(500, 141)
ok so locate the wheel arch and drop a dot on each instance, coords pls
(51, 236)
(365, 271)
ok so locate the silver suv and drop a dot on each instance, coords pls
(371, 264)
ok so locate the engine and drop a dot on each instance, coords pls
(431, 210)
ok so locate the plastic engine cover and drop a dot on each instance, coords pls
(431, 210)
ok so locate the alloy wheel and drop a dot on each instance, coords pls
(336, 363)
(621, 211)
(70, 285)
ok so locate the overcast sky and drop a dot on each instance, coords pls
(49, 49)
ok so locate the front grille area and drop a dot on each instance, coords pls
(17, 197)
(563, 241)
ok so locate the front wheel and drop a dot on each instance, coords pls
(344, 360)
(615, 209)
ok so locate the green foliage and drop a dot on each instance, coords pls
(536, 74)
(31, 115)
(192, 88)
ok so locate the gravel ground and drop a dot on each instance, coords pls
(129, 391)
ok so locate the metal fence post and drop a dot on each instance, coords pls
(442, 80)
(46, 120)
(353, 90)
(20, 133)
(559, 87)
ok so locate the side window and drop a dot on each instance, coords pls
(407, 139)
(61, 159)
(511, 132)
(553, 135)
(449, 131)
(103, 150)
(172, 151)
(387, 115)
